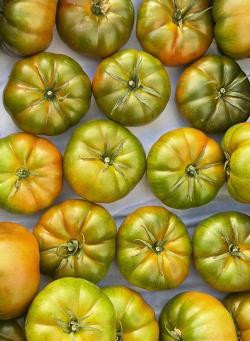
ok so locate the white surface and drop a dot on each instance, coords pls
(141, 195)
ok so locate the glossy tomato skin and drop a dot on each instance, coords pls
(192, 316)
(236, 146)
(47, 93)
(185, 168)
(135, 319)
(131, 87)
(238, 305)
(95, 27)
(11, 331)
(71, 308)
(103, 161)
(30, 173)
(176, 32)
(26, 27)
(232, 24)
(153, 249)
(221, 249)
(76, 239)
(213, 94)
(19, 264)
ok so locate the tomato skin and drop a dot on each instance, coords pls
(175, 42)
(220, 249)
(183, 316)
(135, 319)
(213, 94)
(136, 104)
(185, 168)
(103, 161)
(153, 249)
(71, 307)
(47, 93)
(30, 173)
(76, 239)
(11, 331)
(238, 305)
(95, 27)
(26, 27)
(232, 24)
(19, 264)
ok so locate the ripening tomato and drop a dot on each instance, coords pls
(76, 239)
(177, 32)
(71, 309)
(11, 331)
(19, 269)
(193, 316)
(185, 168)
(135, 319)
(26, 27)
(153, 249)
(47, 93)
(221, 249)
(30, 173)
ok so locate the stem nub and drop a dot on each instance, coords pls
(22, 173)
(191, 170)
(50, 94)
(99, 7)
(234, 250)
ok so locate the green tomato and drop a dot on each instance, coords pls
(11, 331)
(193, 316)
(47, 94)
(135, 319)
(221, 249)
(71, 309)
(214, 94)
(185, 168)
(103, 161)
(76, 239)
(153, 249)
(96, 27)
(131, 87)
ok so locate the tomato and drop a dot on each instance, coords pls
(135, 319)
(11, 331)
(221, 249)
(239, 306)
(131, 87)
(177, 32)
(71, 309)
(30, 173)
(232, 24)
(47, 94)
(236, 146)
(76, 238)
(103, 161)
(193, 316)
(26, 27)
(95, 27)
(19, 264)
(153, 249)
(214, 94)
(185, 168)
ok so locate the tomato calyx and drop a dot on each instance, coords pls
(119, 332)
(71, 248)
(234, 250)
(154, 245)
(100, 7)
(227, 165)
(191, 170)
(175, 333)
(22, 173)
(50, 94)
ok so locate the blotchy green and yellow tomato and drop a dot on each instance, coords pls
(131, 87)
(135, 319)
(153, 249)
(221, 250)
(71, 309)
(193, 316)
(11, 331)
(19, 274)
(47, 93)
(238, 305)
(177, 32)
(103, 161)
(26, 27)
(185, 168)
(76, 239)
(96, 27)
(214, 94)
(232, 26)
(30, 173)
